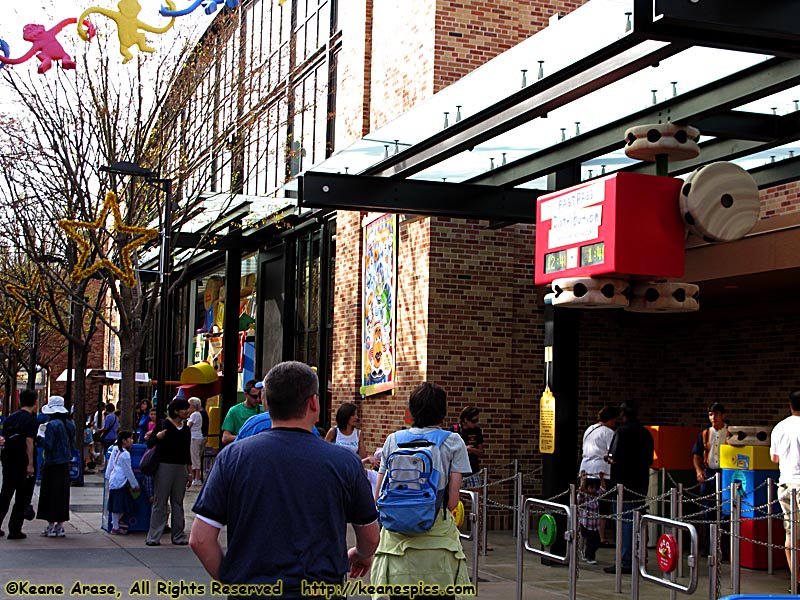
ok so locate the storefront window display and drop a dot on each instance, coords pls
(211, 294)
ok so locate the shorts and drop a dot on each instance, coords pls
(196, 451)
(785, 499)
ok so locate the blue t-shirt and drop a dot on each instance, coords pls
(111, 424)
(258, 423)
(286, 485)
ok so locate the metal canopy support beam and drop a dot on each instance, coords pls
(772, 28)
(755, 82)
(533, 101)
(739, 124)
(777, 173)
(223, 242)
(412, 196)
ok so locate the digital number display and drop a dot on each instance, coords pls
(555, 261)
(593, 255)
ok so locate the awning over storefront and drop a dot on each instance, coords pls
(105, 376)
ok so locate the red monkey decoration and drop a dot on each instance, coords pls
(44, 43)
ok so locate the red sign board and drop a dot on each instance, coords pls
(622, 225)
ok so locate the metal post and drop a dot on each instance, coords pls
(165, 267)
(520, 542)
(673, 514)
(484, 491)
(793, 538)
(517, 494)
(472, 517)
(713, 565)
(637, 524)
(34, 351)
(679, 517)
(770, 500)
(572, 543)
(736, 516)
(618, 548)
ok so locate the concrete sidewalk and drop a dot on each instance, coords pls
(91, 557)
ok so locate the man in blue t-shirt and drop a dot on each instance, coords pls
(261, 422)
(309, 515)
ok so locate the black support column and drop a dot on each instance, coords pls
(561, 329)
(230, 337)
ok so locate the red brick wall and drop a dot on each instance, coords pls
(780, 200)
(470, 33)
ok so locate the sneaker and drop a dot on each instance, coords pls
(197, 483)
(49, 531)
(59, 531)
(589, 561)
(16, 535)
(119, 531)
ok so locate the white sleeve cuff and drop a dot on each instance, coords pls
(211, 522)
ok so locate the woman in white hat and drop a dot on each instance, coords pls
(54, 493)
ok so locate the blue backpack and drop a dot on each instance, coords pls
(410, 499)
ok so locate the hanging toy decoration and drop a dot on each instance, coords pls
(210, 7)
(45, 45)
(5, 50)
(130, 29)
(125, 274)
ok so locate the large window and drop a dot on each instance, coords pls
(313, 307)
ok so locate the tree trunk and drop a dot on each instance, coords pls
(127, 387)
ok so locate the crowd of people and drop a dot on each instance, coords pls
(271, 437)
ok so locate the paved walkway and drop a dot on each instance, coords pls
(92, 557)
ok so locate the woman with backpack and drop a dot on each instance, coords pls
(433, 556)
(345, 434)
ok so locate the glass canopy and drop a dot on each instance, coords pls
(600, 26)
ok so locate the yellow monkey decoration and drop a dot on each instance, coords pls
(128, 26)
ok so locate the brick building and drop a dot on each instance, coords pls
(468, 315)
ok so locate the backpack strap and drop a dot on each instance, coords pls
(406, 439)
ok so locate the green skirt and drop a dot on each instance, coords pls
(434, 558)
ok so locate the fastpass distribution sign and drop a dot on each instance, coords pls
(622, 225)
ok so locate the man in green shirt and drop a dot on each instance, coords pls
(238, 414)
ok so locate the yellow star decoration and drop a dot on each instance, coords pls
(14, 324)
(15, 290)
(125, 274)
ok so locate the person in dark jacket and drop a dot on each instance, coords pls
(19, 464)
(54, 493)
(630, 455)
(174, 472)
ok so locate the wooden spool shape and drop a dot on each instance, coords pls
(720, 202)
(749, 435)
(665, 297)
(678, 142)
(587, 292)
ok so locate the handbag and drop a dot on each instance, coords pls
(148, 464)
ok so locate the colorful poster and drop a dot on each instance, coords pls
(378, 306)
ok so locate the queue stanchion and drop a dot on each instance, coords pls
(793, 538)
(636, 558)
(673, 514)
(517, 494)
(736, 517)
(572, 542)
(770, 501)
(713, 563)
(521, 530)
(618, 541)
(679, 517)
(483, 506)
